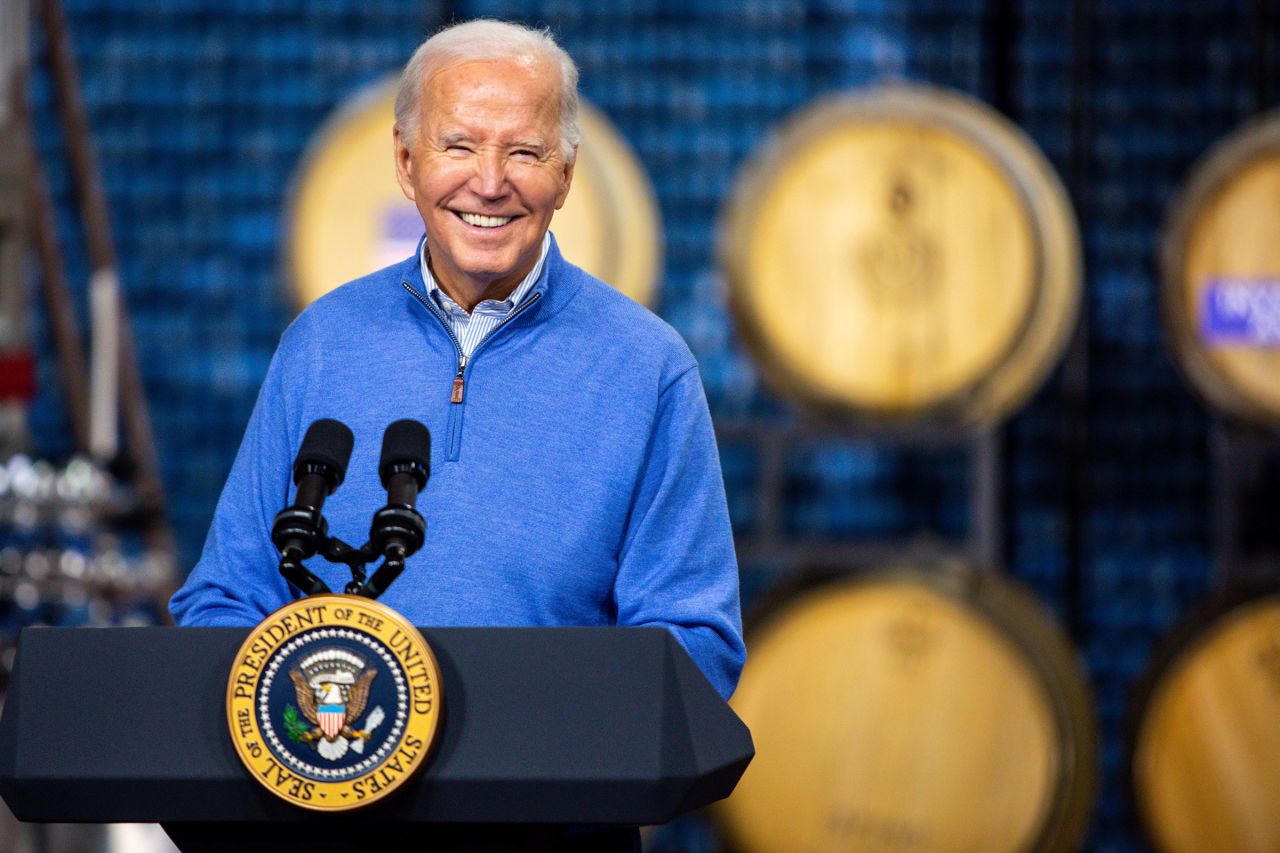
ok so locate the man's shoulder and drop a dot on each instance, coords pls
(609, 313)
(371, 298)
(368, 293)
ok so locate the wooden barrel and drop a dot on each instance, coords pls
(1206, 738)
(347, 216)
(902, 253)
(1221, 270)
(912, 710)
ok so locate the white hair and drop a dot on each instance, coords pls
(486, 39)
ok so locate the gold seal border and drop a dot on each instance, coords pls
(352, 613)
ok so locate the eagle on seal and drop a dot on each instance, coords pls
(332, 688)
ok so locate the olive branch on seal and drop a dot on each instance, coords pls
(293, 725)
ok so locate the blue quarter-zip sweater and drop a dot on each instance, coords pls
(574, 472)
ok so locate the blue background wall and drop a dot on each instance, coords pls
(201, 109)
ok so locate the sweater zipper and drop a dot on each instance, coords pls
(457, 393)
(459, 381)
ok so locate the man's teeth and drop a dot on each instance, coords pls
(485, 221)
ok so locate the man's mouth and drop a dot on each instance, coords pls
(481, 221)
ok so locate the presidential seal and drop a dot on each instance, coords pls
(333, 702)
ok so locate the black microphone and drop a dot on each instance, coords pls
(398, 529)
(299, 530)
(322, 461)
(406, 461)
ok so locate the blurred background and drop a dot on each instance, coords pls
(1111, 491)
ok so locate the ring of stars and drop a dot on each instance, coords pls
(389, 743)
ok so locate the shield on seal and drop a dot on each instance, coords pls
(331, 718)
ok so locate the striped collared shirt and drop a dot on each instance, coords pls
(471, 329)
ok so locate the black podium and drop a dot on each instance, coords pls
(546, 733)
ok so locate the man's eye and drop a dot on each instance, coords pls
(458, 149)
(525, 154)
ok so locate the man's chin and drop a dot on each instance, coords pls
(488, 268)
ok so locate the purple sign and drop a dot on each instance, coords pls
(401, 221)
(1241, 312)
(401, 228)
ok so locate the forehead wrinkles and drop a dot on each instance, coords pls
(491, 125)
(481, 99)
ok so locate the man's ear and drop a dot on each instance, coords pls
(567, 179)
(404, 162)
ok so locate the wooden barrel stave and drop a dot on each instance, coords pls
(912, 710)
(1219, 243)
(1205, 760)
(951, 305)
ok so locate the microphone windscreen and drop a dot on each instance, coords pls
(327, 442)
(405, 443)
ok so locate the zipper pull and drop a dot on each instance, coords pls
(458, 381)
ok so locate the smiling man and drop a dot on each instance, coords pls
(574, 472)
(486, 166)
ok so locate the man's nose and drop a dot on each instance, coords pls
(490, 180)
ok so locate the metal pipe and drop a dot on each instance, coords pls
(93, 211)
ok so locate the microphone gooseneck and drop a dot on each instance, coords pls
(397, 530)
(300, 530)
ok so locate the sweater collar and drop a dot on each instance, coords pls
(513, 299)
(549, 299)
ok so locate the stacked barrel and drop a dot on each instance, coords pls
(903, 257)
(1205, 744)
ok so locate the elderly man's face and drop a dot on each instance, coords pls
(486, 172)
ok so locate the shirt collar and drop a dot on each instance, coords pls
(436, 294)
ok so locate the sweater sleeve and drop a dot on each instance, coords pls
(236, 581)
(677, 566)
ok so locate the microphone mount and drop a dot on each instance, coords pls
(396, 531)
